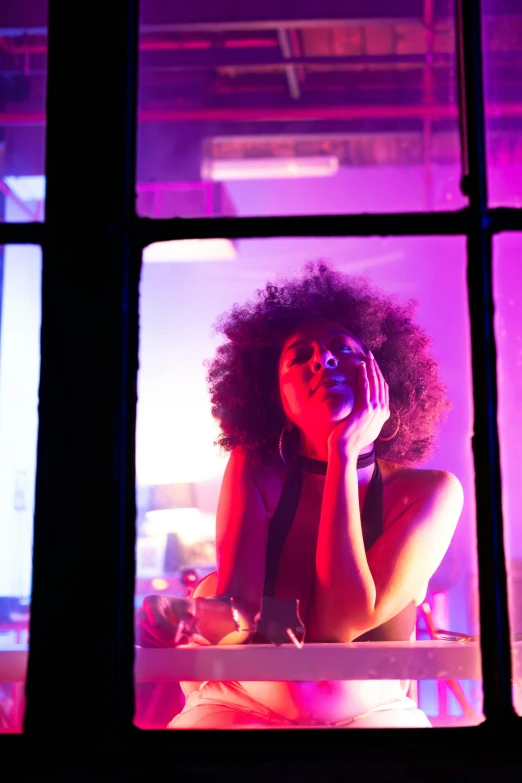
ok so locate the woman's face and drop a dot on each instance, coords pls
(318, 373)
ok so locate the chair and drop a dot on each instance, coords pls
(12, 703)
(205, 588)
(451, 685)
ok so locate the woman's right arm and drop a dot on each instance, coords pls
(241, 540)
(241, 533)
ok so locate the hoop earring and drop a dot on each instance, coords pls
(391, 437)
(283, 448)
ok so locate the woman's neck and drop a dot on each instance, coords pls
(317, 448)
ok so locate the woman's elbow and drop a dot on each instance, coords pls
(336, 630)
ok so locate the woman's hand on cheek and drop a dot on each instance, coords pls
(370, 411)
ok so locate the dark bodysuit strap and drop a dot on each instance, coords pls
(281, 522)
(397, 628)
(280, 525)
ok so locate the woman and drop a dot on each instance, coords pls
(317, 375)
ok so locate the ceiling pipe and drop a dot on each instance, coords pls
(290, 113)
(291, 72)
(157, 45)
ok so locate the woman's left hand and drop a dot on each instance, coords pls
(370, 411)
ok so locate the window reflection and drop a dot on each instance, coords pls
(508, 332)
(23, 78)
(19, 374)
(502, 37)
(304, 117)
(180, 471)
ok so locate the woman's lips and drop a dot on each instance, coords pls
(329, 383)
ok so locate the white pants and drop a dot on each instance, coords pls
(227, 705)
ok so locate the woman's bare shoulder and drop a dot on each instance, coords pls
(259, 464)
(265, 470)
(404, 485)
(421, 478)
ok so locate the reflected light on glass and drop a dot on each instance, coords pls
(270, 168)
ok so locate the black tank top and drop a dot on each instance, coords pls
(398, 628)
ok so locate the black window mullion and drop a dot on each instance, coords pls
(80, 670)
(494, 622)
(379, 224)
(454, 223)
(21, 233)
(83, 578)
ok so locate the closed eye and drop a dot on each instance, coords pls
(304, 355)
(300, 357)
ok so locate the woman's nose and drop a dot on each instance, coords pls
(323, 359)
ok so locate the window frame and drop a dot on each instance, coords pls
(121, 235)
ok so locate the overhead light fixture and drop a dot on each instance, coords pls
(188, 250)
(221, 170)
(27, 188)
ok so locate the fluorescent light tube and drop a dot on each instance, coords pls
(186, 250)
(270, 168)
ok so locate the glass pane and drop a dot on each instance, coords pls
(23, 76)
(502, 41)
(179, 473)
(300, 116)
(20, 276)
(508, 279)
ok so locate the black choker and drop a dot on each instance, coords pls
(319, 467)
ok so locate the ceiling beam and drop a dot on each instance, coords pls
(266, 58)
(277, 13)
(29, 17)
(291, 112)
